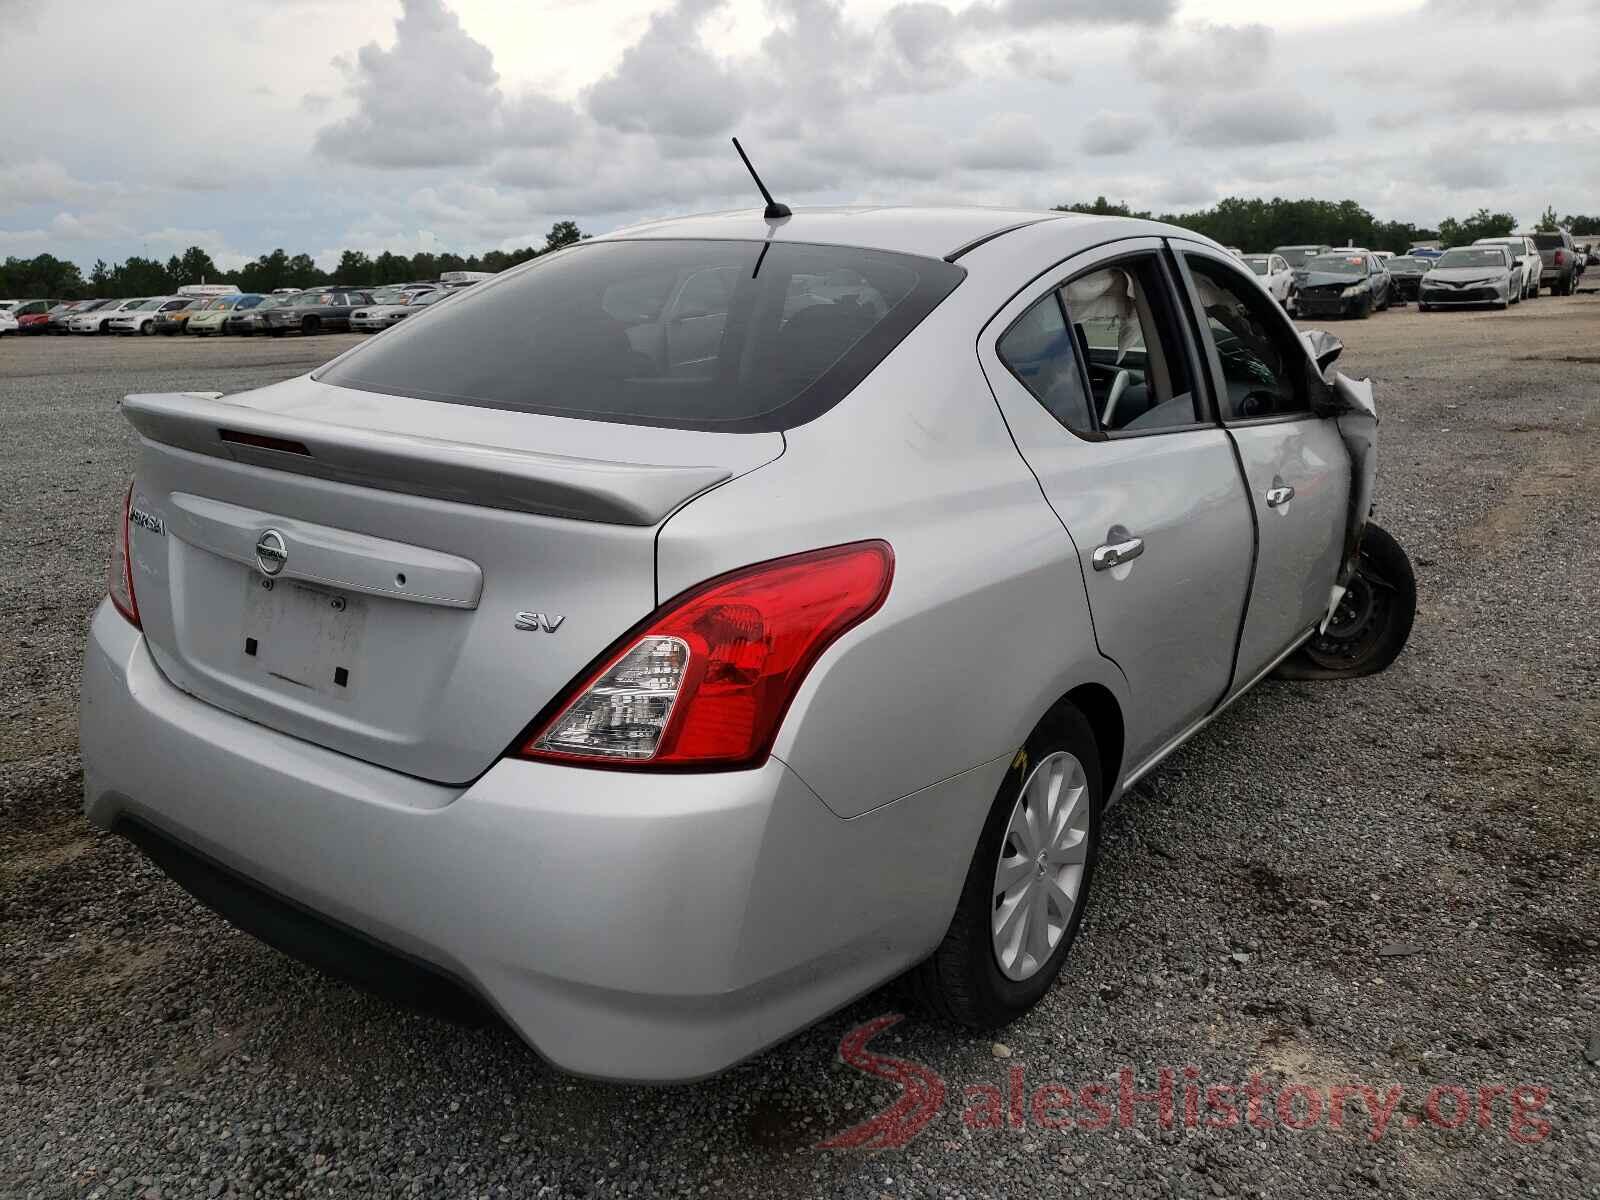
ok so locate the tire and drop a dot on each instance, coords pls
(1373, 621)
(963, 981)
(310, 326)
(1364, 310)
(1421, 307)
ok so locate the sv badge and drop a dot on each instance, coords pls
(532, 622)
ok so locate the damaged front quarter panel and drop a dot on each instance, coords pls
(1350, 403)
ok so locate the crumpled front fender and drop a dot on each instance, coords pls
(1351, 404)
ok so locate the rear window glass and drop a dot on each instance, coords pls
(1548, 241)
(734, 336)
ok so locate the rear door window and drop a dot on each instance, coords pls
(736, 336)
(1040, 351)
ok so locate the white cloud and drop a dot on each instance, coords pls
(668, 82)
(466, 124)
(1108, 133)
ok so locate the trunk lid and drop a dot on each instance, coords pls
(398, 580)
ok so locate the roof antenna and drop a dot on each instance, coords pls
(775, 211)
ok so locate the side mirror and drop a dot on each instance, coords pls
(1325, 348)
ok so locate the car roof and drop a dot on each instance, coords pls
(928, 231)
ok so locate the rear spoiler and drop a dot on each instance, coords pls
(583, 489)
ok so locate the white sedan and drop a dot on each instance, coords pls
(141, 318)
(99, 321)
(1275, 273)
(1525, 258)
(371, 318)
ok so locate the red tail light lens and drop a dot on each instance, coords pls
(119, 571)
(1561, 257)
(705, 681)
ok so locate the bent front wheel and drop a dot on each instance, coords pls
(1373, 620)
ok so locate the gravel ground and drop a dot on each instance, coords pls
(1448, 810)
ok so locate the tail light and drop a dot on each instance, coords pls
(119, 571)
(704, 682)
(1561, 257)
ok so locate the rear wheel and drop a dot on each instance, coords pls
(310, 326)
(1373, 620)
(1028, 883)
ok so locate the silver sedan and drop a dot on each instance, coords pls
(673, 638)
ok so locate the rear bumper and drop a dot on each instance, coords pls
(629, 927)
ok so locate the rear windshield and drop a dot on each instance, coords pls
(733, 336)
(1548, 241)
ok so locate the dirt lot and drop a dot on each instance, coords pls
(1394, 882)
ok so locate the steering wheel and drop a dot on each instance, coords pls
(1257, 403)
(1119, 384)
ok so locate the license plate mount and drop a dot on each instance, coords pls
(310, 637)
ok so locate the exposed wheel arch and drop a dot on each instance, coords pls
(1100, 708)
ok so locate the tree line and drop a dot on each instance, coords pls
(1255, 224)
(48, 276)
(1250, 224)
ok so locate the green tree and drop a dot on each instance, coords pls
(1482, 223)
(196, 266)
(1548, 223)
(391, 268)
(354, 268)
(303, 273)
(562, 233)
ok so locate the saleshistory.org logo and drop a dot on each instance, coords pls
(1180, 1096)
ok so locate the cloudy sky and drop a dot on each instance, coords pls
(141, 128)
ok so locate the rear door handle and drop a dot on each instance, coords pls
(1114, 554)
(1280, 494)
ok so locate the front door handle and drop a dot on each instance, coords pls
(1279, 494)
(1114, 554)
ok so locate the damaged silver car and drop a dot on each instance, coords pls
(673, 638)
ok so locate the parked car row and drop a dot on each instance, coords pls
(213, 311)
(1316, 280)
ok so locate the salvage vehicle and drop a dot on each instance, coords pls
(1405, 274)
(1342, 283)
(391, 310)
(1558, 268)
(61, 316)
(322, 310)
(496, 667)
(1296, 256)
(8, 323)
(1275, 274)
(99, 320)
(1525, 257)
(141, 319)
(33, 317)
(1470, 275)
(246, 319)
(170, 320)
(212, 319)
